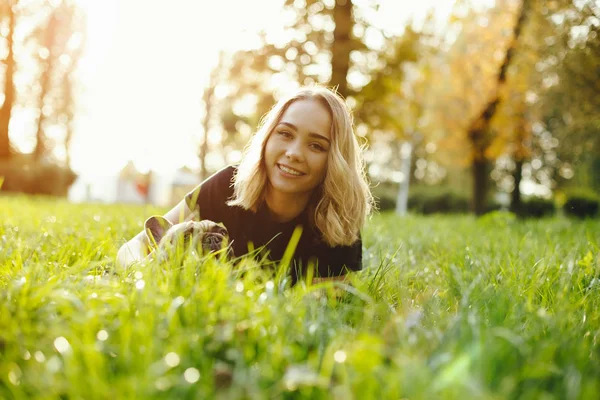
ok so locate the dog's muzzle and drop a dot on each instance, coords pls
(213, 241)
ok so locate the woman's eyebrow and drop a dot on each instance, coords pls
(311, 134)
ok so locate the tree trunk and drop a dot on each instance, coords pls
(70, 86)
(208, 94)
(41, 147)
(342, 45)
(68, 106)
(9, 86)
(402, 199)
(208, 99)
(479, 130)
(480, 170)
(515, 199)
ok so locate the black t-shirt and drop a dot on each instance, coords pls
(260, 229)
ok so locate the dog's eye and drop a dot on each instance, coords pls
(187, 236)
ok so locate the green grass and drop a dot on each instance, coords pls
(446, 307)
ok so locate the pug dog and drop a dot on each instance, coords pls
(207, 236)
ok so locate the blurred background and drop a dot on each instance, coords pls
(464, 106)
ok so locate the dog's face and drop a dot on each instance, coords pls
(205, 235)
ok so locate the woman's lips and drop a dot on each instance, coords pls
(289, 170)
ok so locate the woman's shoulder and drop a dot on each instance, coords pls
(221, 179)
(225, 173)
(214, 190)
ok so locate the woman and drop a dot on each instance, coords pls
(302, 168)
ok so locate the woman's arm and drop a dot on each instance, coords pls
(136, 248)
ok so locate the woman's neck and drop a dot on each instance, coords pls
(283, 207)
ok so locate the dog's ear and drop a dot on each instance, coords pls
(155, 228)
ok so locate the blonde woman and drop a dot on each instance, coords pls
(303, 167)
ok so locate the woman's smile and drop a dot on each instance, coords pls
(286, 170)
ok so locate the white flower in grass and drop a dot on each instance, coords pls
(191, 375)
(61, 344)
(14, 375)
(340, 356)
(302, 375)
(102, 335)
(39, 356)
(172, 359)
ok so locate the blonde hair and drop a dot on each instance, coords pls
(343, 201)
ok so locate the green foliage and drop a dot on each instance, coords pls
(385, 194)
(21, 174)
(446, 307)
(498, 218)
(536, 207)
(427, 199)
(437, 199)
(581, 203)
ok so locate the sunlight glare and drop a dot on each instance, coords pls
(143, 86)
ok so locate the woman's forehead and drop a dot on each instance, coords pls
(308, 115)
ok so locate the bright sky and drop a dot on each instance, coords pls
(145, 67)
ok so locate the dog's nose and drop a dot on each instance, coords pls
(213, 241)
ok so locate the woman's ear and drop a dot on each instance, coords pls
(155, 228)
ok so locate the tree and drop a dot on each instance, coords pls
(8, 10)
(571, 110)
(47, 61)
(390, 106)
(343, 44)
(67, 106)
(46, 53)
(545, 124)
(519, 146)
(300, 54)
(479, 129)
(59, 45)
(209, 106)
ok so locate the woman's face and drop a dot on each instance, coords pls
(297, 150)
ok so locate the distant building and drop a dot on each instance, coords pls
(131, 186)
(135, 187)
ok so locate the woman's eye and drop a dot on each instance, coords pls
(317, 147)
(285, 134)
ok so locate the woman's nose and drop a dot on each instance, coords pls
(293, 151)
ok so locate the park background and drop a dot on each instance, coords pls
(482, 113)
(477, 104)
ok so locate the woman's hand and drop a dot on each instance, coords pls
(136, 249)
(131, 252)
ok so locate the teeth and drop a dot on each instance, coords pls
(290, 171)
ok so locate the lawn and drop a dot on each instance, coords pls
(446, 307)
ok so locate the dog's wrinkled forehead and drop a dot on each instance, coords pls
(159, 229)
(182, 228)
(205, 234)
(209, 226)
(200, 228)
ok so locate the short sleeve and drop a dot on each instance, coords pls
(210, 197)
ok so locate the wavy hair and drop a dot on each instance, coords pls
(341, 203)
